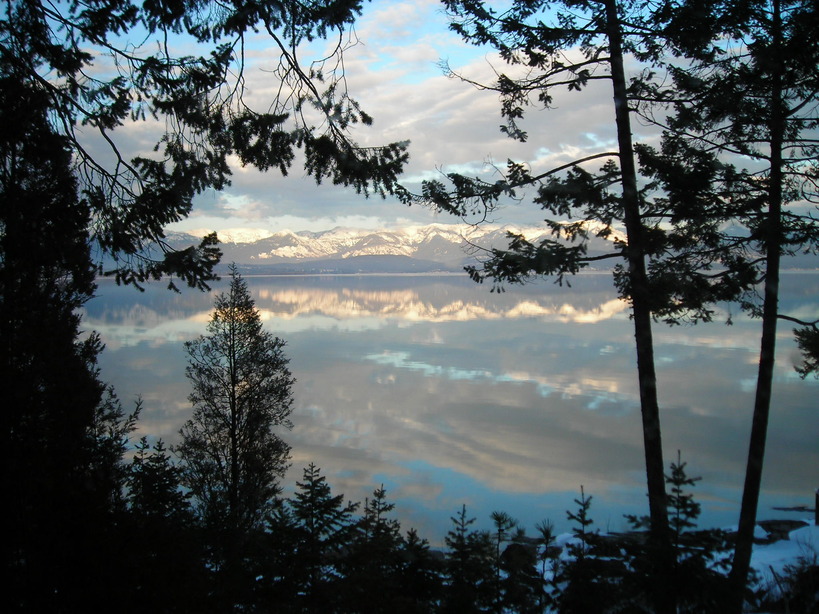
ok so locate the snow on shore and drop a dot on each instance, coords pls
(770, 560)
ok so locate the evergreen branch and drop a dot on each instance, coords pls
(812, 324)
(537, 178)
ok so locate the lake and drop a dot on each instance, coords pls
(448, 394)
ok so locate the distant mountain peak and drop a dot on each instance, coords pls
(234, 235)
(415, 248)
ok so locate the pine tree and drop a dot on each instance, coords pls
(547, 557)
(662, 263)
(684, 509)
(167, 565)
(154, 492)
(749, 96)
(520, 584)
(582, 526)
(697, 579)
(62, 432)
(231, 458)
(587, 581)
(470, 573)
(700, 565)
(372, 565)
(503, 523)
(321, 527)
(674, 261)
(419, 576)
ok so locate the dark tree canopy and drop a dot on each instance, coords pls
(713, 212)
(154, 495)
(737, 82)
(469, 572)
(231, 457)
(319, 527)
(75, 79)
(164, 557)
(807, 338)
(684, 274)
(751, 93)
(99, 66)
(63, 434)
(538, 41)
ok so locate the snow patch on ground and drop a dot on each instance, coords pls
(770, 560)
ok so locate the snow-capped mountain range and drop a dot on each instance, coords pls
(436, 247)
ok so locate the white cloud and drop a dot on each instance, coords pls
(452, 126)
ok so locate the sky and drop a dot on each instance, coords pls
(394, 73)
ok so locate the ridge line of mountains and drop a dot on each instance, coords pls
(434, 248)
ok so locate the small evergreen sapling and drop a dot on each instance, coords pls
(697, 577)
(583, 522)
(684, 511)
(370, 567)
(587, 581)
(503, 523)
(469, 568)
(699, 555)
(548, 557)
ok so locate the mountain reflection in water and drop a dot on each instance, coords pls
(414, 305)
(449, 394)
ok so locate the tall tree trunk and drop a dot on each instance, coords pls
(232, 533)
(233, 490)
(762, 402)
(641, 310)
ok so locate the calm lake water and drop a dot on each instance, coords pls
(449, 395)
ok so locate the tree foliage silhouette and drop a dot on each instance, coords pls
(318, 526)
(750, 95)
(231, 457)
(470, 574)
(63, 433)
(103, 66)
(376, 561)
(165, 555)
(663, 264)
(807, 338)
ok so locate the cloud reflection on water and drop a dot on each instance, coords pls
(449, 394)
